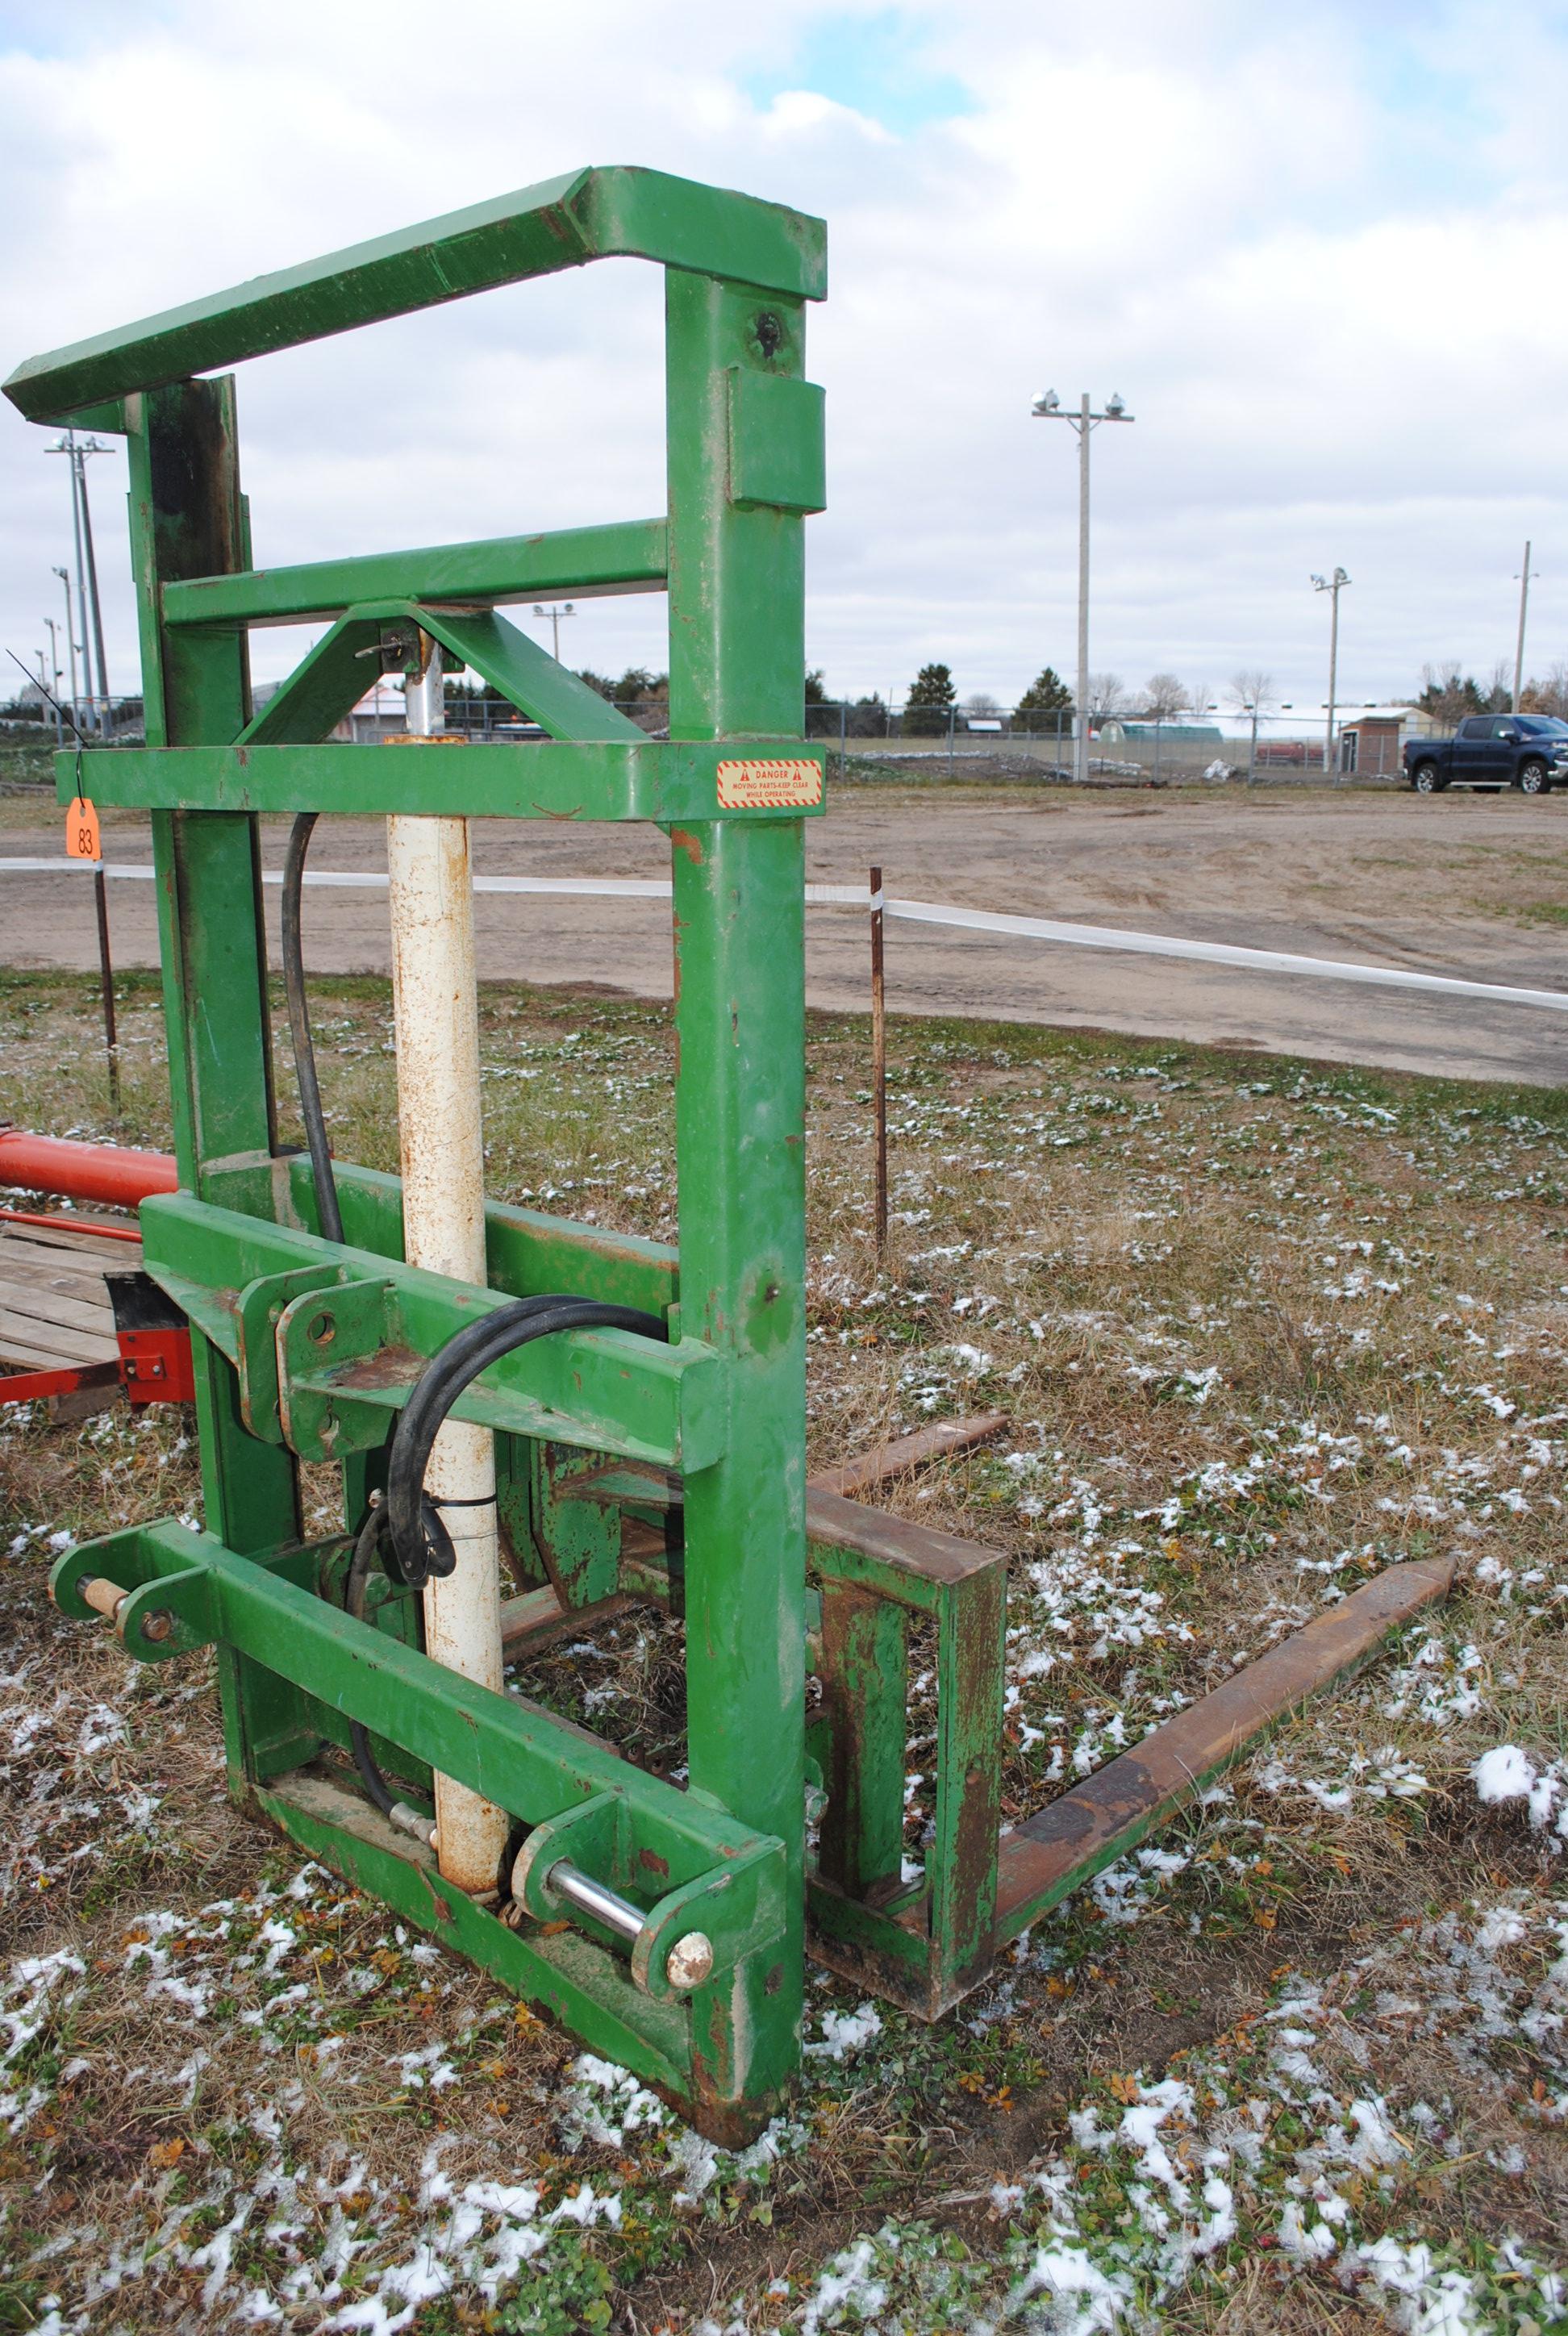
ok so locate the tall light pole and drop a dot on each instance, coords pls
(1049, 407)
(1525, 580)
(54, 676)
(555, 614)
(1334, 585)
(64, 576)
(77, 452)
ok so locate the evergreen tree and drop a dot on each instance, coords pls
(926, 707)
(822, 720)
(1046, 693)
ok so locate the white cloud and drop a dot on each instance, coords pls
(1315, 254)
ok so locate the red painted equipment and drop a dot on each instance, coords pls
(153, 1362)
(105, 1172)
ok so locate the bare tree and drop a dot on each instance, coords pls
(980, 701)
(1107, 695)
(1252, 691)
(1164, 697)
(1200, 696)
(1550, 695)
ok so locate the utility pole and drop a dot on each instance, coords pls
(1333, 585)
(64, 576)
(1049, 407)
(1519, 649)
(87, 565)
(555, 614)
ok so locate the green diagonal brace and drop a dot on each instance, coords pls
(339, 669)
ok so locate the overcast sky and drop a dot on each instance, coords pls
(1321, 251)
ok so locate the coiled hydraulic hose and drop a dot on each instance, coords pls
(421, 1545)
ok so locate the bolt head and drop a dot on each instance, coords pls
(158, 1625)
(690, 1962)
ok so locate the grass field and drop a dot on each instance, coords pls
(1259, 1328)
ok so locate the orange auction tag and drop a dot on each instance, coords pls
(82, 830)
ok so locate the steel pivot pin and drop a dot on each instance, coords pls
(690, 1961)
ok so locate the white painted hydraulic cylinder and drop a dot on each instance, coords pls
(436, 1011)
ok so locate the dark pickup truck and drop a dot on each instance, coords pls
(1493, 750)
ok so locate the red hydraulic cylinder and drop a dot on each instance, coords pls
(119, 1177)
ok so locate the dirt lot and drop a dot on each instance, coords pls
(1298, 2064)
(1470, 884)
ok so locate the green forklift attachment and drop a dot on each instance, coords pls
(666, 1922)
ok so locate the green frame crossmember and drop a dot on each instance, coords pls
(305, 1349)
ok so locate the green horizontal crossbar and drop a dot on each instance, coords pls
(530, 1254)
(524, 1758)
(631, 556)
(604, 1390)
(594, 214)
(659, 779)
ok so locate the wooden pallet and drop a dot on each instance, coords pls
(55, 1304)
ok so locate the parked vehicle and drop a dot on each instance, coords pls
(1528, 750)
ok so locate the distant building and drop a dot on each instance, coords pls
(1116, 729)
(1372, 741)
(380, 714)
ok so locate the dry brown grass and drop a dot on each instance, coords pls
(1165, 1267)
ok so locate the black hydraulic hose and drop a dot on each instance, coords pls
(329, 1218)
(370, 1532)
(421, 1545)
(328, 1215)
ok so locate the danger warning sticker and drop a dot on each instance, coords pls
(769, 786)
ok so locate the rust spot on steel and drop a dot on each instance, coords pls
(682, 840)
(1066, 1843)
(445, 1910)
(907, 1452)
(389, 1367)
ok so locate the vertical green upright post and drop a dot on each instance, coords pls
(736, 671)
(187, 518)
